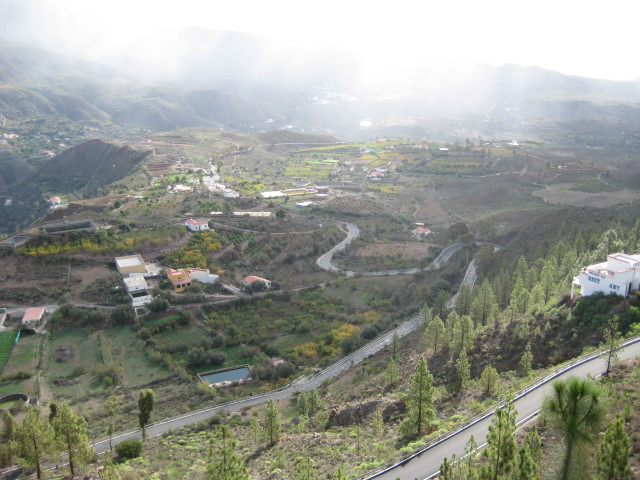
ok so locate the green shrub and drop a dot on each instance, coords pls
(128, 449)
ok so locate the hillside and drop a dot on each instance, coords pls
(81, 171)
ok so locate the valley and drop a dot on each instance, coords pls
(382, 272)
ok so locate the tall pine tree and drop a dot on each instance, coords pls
(225, 463)
(613, 453)
(420, 400)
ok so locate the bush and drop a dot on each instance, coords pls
(129, 449)
(123, 315)
(158, 305)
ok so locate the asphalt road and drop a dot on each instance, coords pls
(428, 463)
(324, 261)
(304, 385)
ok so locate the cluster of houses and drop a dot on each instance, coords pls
(134, 270)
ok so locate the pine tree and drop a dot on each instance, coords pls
(537, 295)
(465, 299)
(526, 468)
(226, 465)
(36, 440)
(612, 342)
(440, 304)
(425, 311)
(450, 324)
(71, 431)
(500, 452)
(272, 426)
(392, 373)
(613, 453)
(339, 475)
(420, 400)
(446, 469)
(111, 409)
(484, 306)
(488, 379)
(394, 345)
(463, 334)
(463, 369)
(378, 422)
(547, 280)
(533, 444)
(146, 402)
(525, 361)
(303, 404)
(314, 401)
(434, 335)
(304, 469)
(575, 408)
(469, 471)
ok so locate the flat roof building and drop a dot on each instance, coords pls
(620, 274)
(130, 264)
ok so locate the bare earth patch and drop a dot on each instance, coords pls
(62, 355)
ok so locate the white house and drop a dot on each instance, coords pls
(202, 275)
(135, 284)
(140, 298)
(620, 274)
(196, 225)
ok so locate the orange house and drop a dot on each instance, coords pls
(180, 279)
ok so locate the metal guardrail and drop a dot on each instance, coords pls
(490, 411)
(345, 361)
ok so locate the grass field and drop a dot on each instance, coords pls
(7, 339)
(91, 351)
(22, 359)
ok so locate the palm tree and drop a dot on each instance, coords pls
(576, 409)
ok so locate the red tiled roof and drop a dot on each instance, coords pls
(421, 230)
(33, 314)
(253, 278)
(191, 221)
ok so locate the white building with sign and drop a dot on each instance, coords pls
(620, 274)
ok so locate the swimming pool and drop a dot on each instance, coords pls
(226, 375)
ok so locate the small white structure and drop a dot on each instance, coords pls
(140, 298)
(135, 284)
(202, 275)
(272, 194)
(620, 274)
(231, 194)
(196, 225)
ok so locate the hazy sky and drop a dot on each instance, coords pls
(573, 37)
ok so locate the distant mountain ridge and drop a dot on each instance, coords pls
(240, 82)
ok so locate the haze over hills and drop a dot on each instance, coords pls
(238, 81)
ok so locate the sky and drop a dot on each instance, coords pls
(573, 37)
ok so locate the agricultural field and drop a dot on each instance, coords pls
(77, 359)
(22, 366)
(7, 341)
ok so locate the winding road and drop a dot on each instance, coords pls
(324, 261)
